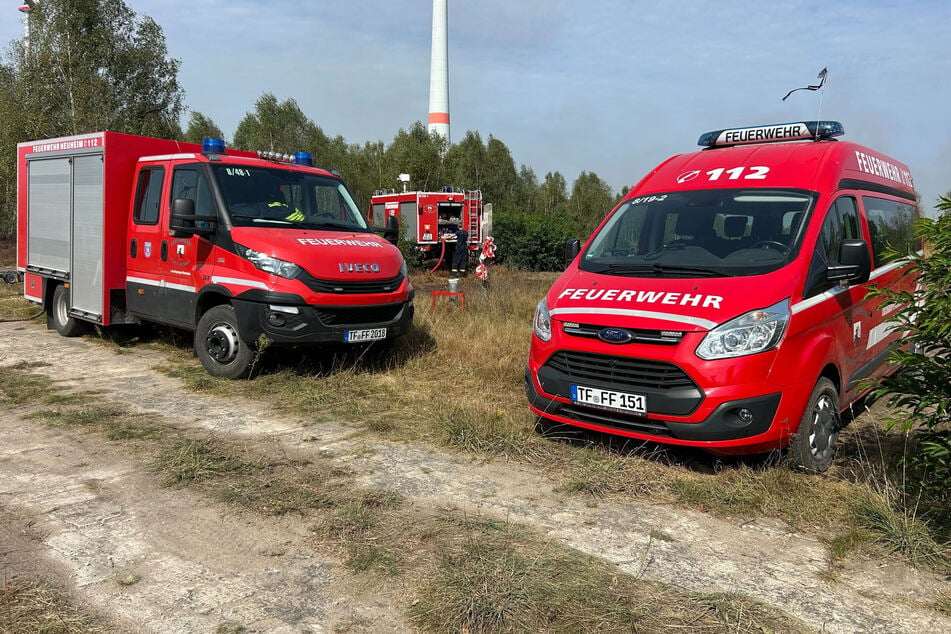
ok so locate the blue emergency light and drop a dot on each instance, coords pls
(212, 146)
(304, 158)
(775, 133)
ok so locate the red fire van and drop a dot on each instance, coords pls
(724, 303)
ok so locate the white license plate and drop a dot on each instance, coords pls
(368, 334)
(609, 399)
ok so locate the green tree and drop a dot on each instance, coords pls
(201, 127)
(553, 195)
(416, 152)
(465, 162)
(526, 195)
(921, 391)
(91, 65)
(500, 180)
(591, 200)
(277, 127)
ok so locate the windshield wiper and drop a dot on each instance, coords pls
(658, 270)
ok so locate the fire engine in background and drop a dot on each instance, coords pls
(429, 219)
(235, 246)
(724, 303)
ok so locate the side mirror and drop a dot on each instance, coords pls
(183, 223)
(855, 263)
(392, 232)
(572, 249)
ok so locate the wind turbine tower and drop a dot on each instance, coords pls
(439, 72)
(25, 10)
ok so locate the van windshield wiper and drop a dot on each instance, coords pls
(659, 270)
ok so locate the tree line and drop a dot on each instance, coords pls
(95, 65)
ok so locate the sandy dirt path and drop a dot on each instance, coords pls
(99, 518)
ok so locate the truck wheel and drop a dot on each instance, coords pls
(219, 346)
(813, 447)
(58, 313)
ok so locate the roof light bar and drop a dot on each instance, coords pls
(794, 131)
(298, 158)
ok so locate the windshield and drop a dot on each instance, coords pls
(702, 233)
(263, 196)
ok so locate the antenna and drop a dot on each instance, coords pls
(822, 80)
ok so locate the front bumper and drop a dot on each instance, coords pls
(294, 324)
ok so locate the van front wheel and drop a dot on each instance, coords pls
(219, 346)
(813, 447)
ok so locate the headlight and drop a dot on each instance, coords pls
(403, 270)
(268, 264)
(756, 331)
(541, 325)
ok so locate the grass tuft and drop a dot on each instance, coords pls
(27, 606)
(191, 461)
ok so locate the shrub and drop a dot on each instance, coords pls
(531, 242)
(922, 389)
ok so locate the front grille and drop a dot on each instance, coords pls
(616, 420)
(352, 287)
(623, 372)
(358, 315)
(638, 335)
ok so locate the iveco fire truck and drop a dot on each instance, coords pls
(234, 246)
(725, 302)
(430, 219)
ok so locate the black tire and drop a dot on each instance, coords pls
(813, 447)
(58, 314)
(219, 346)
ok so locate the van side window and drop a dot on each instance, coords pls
(841, 223)
(891, 224)
(148, 195)
(189, 182)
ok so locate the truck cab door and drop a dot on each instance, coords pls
(144, 276)
(189, 265)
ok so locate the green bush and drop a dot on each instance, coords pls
(530, 242)
(921, 391)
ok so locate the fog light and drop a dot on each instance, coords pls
(745, 416)
(276, 319)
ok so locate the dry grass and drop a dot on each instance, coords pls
(457, 572)
(29, 606)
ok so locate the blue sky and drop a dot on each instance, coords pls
(605, 86)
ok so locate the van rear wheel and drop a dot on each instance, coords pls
(219, 346)
(58, 314)
(813, 447)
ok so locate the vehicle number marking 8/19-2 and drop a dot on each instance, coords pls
(755, 172)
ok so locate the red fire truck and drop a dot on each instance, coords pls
(430, 219)
(235, 246)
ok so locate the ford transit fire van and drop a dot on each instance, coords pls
(724, 303)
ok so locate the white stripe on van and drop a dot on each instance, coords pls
(832, 292)
(649, 314)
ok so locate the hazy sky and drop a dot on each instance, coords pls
(605, 86)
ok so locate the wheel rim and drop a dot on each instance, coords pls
(824, 429)
(222, 343)
(62, 315)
